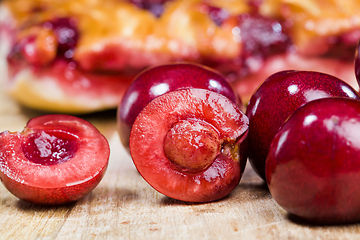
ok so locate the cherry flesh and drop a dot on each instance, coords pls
(56, 159)
(49, 148)
(186, 144)
(158, 80)
(313, 166)
(277, 98)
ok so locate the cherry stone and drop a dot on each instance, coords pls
(49, 148)
(192, 145)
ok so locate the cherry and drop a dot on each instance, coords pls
(277, 98)
(218, 15)
(357, 63)
(262, 36)
(66, 34)
(56, 159)
(186, 144)
(158, 80)
(313, 166)
(156, 7)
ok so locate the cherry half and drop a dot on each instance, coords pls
(277, 98)
(186, 144)
(313, 166)
(56, 159)
(161, 79)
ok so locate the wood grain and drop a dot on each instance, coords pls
(124, 206)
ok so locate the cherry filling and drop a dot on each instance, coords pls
(49, 148)
(259, 35)
(192, 145)
(262, 36)
(66, 34)
(343, 47)
(52, 39)
(156, 7)
(218, 15)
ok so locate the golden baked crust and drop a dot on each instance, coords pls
(117, 35)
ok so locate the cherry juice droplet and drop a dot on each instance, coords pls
(49, 148)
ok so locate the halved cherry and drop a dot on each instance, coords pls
(186, 144)
(56, 159)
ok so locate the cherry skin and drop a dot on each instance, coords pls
(186, 144)
(277, 98)
(158, 80)
(313, 166)
(56, 159)
(357, 63)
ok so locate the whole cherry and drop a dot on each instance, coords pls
(277, 98)
(56, 159)
(161, 79)
(313, 165)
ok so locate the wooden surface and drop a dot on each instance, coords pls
(124, 206)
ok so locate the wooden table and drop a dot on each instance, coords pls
(124, 206)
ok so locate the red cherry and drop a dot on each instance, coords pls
(277, 98)
(313, 166)
(186, 144)
(56, 159)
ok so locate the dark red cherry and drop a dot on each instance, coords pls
(313, 166)
(262, 36)
(277, 98)
(357, 63)
(66, 34)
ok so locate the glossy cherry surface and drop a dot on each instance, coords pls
(357, 63)
(313, 166)
(186, 144)
(158, 80)
(277, 98)
(56, 159)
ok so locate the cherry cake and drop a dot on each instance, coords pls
(79, 56)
